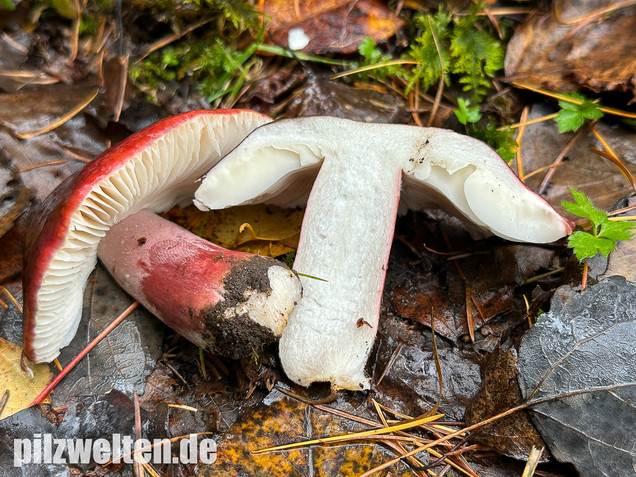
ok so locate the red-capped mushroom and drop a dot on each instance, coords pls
(154, 169)
(362, 172)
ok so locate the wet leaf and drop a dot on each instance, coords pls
(14, 196)
(262, 229)
(282, 420)
(30, 113)
(21, 387)
(14, 73)
(411, 384)
(561, 52)
(35, 166)
(582, 354)
(333, 26)
(514, 435)
(322, 96)
(436, 287)
(93, 417)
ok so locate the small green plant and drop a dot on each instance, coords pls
(466, 113)
(7, 5)
(241, 13)
(604, 233)
(572, 116)
(372, 55)
(464, 45)
(210, 59)
(501, 140)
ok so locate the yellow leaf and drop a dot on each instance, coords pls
(264, 229)
(22, 388)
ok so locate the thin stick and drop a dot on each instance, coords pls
(440, 87)
(61, 120)
(558, 160)
(614, 111)
(612, 156)
(44, 164)
(84, 352)
(528, 123)
(522, 130)
(540, 170)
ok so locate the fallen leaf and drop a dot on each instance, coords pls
(435, 288)
(411, 383)
(22, 388)
(282, 420)
(263, 229)
(319, 95)
(580, 356)
(335, 26)
(14, 73)
(514, 435)
(30, 113)
(83, 417)
(559, 52)
(14, 196)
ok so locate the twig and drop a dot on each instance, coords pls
(84, 352)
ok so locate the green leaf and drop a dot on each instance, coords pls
(572, 116)
(605, 233)
(619, 230)
(369, 51)
(466, 113)
(584, 208)
(372, 55)
(585, 245)
(7, 4)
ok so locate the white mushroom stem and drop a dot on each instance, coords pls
(349, 221)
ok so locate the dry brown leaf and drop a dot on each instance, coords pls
(22, 388)
(30, 113)
(332, 26)
(547, 53)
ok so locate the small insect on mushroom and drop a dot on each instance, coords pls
(154, 169)
(361, 173)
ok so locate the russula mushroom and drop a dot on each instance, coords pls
(155, 169)
(230, 303)
(359, 171)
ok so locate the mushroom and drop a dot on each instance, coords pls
(227, 302)
(154, 169)
(359, 171)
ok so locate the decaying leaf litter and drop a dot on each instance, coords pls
(475, 290)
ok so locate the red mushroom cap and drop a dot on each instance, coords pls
(155, 169)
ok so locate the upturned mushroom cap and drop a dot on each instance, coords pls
(155, 169)
(359, 171)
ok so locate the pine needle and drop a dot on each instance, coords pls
(355, 435)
